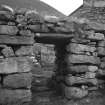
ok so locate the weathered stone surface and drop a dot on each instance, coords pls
(93, 68)
(26, 33)
(73, 92)
(102, 65)
(8, 30)
(101, 44)
(78, 68)
(14, 96)
(101, 51)
(8, 52)
(15, 65)
(90, 75)
(95, 36)
(82, 68)
(24, 50)
(82, 59)
(35, 28)
(22, 80)
(11, 39)
(71, 80)
(80, 48)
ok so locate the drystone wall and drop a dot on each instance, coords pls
(16, 50)
(85, 64)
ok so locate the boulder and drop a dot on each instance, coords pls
(15, 81)
(82, 59)
(74, 92)
(15, 97)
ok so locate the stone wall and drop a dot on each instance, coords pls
(85, 65)
(16, 50)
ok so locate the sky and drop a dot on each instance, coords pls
(64, 6)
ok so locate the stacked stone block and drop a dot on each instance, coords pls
(85, 65)
(15, 61)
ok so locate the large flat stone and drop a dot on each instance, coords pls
(82, 59)
(9, 97)
(72, 80)
(16, 40)
(95, 36)
(15, 65)
(8, 30)
(24, 50)
(80, 48)
(82, 68)
(74, 92)
(22, 80)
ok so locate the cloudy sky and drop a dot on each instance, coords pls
(64, 6)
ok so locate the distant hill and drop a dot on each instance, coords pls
(40, 6)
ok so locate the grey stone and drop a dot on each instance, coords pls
(101, 43)
(15, 65)
(82, 59)
(71, 80)
(74, 92)
(80, 48)
(16, 40)
(93, 68)
(22, 80)
(101, 51)
(24, 50)
(81, 68)
(26, 33)
(95, 36)
(8, 30)
(7, 51)
(8, 96)
(102, 65)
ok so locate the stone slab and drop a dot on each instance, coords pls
(24, 50)
(74, 92)
(71, 80)
(101, 51)
(95, 36)
(82, 59)
(10, 97)
(22, 80)
(8, 30)
(15, 65)
(16, 40)
(80, 48)
(81, 68)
